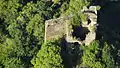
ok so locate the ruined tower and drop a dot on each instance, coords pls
(57, 28)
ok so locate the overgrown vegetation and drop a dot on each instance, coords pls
(22, 36)
(75, 8)
(49, 56)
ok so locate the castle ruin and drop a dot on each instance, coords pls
(57, 28)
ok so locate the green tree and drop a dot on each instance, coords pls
(89, 56)
(8, 58)
(107, 57)
(75, 8)
(13, 63)
(9, 8)
(48, 56)
(19, 43)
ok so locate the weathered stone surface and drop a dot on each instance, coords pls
(54, 28)
(57, 28)
(93, 8)
(89, 38)
(91, 12)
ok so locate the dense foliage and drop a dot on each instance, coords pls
(75, 8)
(22, 35)
(95, 57)
(49, 56)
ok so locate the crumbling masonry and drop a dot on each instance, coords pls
(57, 28)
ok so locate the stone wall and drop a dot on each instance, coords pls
(57, 28)
(92, 24)
(54, 28)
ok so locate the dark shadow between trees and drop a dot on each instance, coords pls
(109, 27)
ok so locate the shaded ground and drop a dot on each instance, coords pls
(80, 32)
(109, 27)
(71, 53)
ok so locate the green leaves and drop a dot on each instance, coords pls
(107, 57)
(95, 57)
(89, 56)
(6, 48)
(22, 36)
(24, 26)
(13, 63)
(77, 5)
(49, 56)
(56, 1)
(75, 8)
(38, 23)
(9, 8)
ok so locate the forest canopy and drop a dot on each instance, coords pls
(22, 30)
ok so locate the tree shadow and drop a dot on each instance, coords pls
(70, 53)
(109, 27)
(80, 32)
